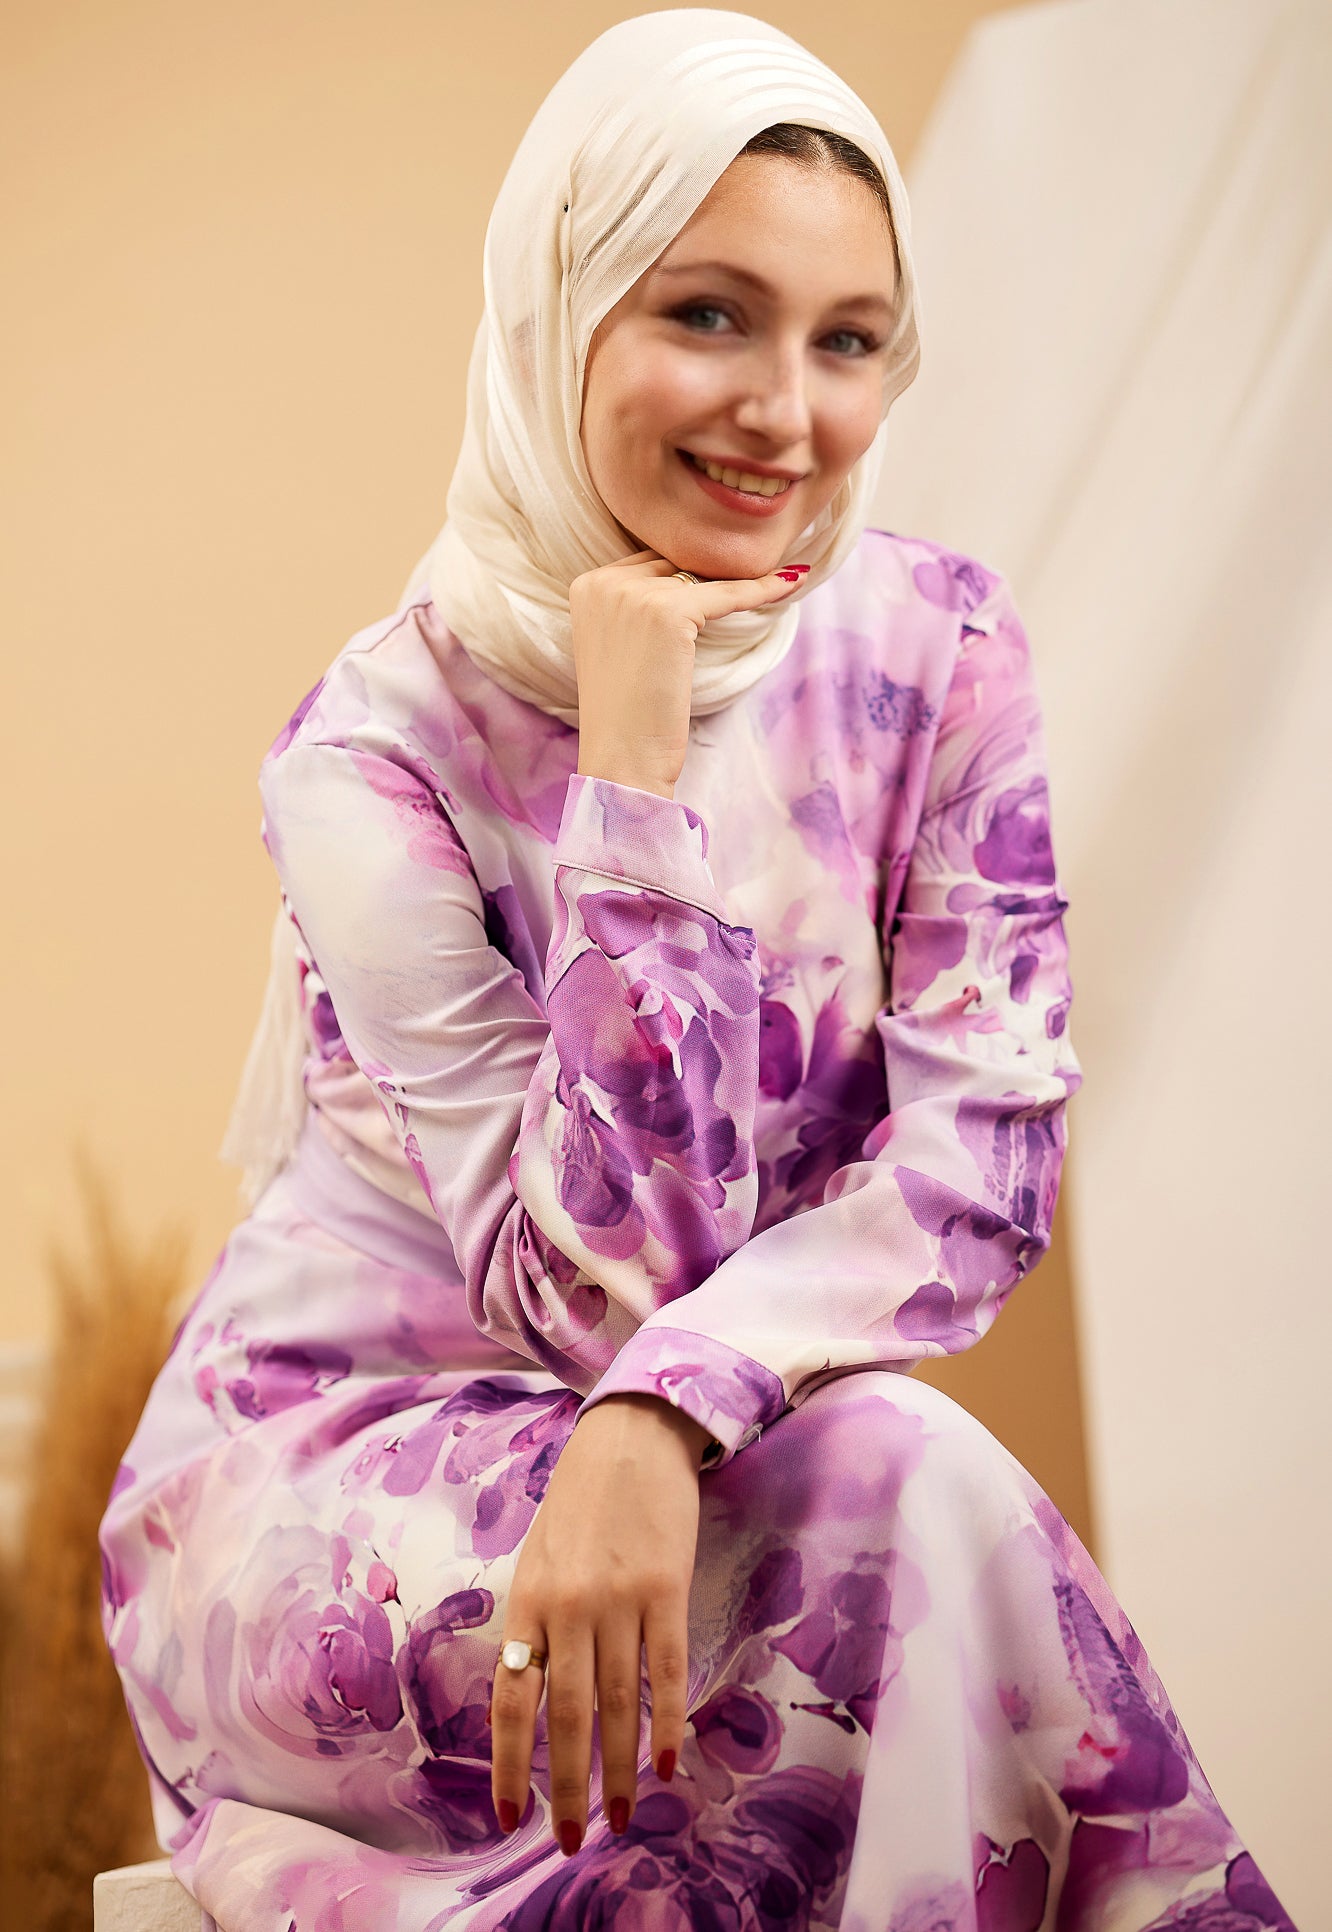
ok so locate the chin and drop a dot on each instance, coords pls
(723, 554)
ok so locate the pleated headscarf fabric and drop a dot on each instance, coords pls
(619, 155)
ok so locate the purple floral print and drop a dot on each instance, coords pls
(750, 1099)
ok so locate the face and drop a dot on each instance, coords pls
(756, 342)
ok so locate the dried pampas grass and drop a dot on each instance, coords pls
(75, 1794)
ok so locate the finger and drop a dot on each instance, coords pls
(666, 1634)
(569, 1688)
(515, 1698)
(648, 563)
(720, 598)
(620, 1713)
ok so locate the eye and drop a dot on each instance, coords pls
(865, 344)
(688, 310)
(695, 316)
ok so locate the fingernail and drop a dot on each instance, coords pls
(507, 1811)
(571, 1836)
(791, 576)
(619, 1814)
(665, 1764)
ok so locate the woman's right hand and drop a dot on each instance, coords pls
(603, 1573)
(634, 628)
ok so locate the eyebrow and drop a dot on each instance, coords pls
(871, 300)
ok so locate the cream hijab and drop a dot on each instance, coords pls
(616, 159)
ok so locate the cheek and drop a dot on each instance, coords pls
(662, 396)
(850, 422)
(643, 415)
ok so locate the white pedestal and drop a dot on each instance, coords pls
(143, 1898)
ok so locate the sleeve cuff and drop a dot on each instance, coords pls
(731, 1395)
(638, 838)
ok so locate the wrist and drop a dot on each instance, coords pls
(659, 1412)
(620, 772)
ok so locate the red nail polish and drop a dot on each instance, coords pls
(488, 1708)
(507, 1812)
(619, 1814)
(571, 1836)
(665, 1764)
(791, 576)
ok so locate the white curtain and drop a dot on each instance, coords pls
(1122, 213)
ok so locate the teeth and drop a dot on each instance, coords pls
(742, 479)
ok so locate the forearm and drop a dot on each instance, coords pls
(699, 1439)
(633, 771)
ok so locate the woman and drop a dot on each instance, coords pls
(536, 1524)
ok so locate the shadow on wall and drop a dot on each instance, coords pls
(1022, 1379)
(72, 1787)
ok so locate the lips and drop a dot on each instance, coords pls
(745, 501)
(740, 469)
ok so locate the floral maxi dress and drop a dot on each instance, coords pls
(752, 1098)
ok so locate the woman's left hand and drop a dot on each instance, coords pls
(605, 1568)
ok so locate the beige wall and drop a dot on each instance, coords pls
(243, 249)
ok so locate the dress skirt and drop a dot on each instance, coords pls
(915, 1704)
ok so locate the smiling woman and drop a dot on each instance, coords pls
(745, 369)
(537, 1524)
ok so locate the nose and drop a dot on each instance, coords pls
(775, 404)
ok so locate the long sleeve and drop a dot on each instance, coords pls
(916, 1244)
(589, 1161)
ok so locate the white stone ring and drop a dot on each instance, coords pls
(516, 1655)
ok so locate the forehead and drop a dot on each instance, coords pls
(770, 222)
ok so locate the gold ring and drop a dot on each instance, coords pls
(687, 575)
(517, 1655)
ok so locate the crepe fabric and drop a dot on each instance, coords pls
(751, 1098)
